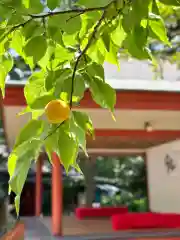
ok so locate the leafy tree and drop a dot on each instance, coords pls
(69, 45)
(171, 16)
(129, 172)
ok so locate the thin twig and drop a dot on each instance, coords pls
(83, 53)
(73, 16)
(78, 10)
(14, 28)
(54, 130)
(49, 14)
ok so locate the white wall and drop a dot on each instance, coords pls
(164, 188)
(139, 70)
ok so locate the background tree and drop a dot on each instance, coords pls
(70, 46)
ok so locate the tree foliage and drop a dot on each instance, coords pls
(69, 44)
(171, 16)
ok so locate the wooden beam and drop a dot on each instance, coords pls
(126, 99)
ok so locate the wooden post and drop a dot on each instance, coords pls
(57, 189)
(38, 206)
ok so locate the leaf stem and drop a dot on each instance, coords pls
(54, 130)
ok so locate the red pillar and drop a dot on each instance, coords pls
(57, 208)
(38, 207)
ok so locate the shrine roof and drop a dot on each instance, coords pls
(128, 84)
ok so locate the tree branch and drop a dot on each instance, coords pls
(83, 53)
(78, 10)
(76, 65)
(49, 14)
(14, 28)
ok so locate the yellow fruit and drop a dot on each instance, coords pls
(57, 111)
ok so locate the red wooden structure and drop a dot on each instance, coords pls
(134, 107)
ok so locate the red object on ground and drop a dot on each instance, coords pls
(82, 213)
(17, 233)
(145, 221)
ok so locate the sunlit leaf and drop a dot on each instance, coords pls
(6, 64)
(94, 3)
(33, 128)
(158, 29)
(118, 35)
(36, 47)
(52, 4)
(171, 2)
(68, 154)
(84, 122)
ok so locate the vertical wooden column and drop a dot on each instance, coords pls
(38, 202)
(57, 190)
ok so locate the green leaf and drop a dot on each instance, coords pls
(36, 48)
(32, 29)
(33, 128)
(49, 80)
(158, 28)
(68, 154)
(97, 51)
(35, 92)
(96, 70)
(140, 36)
(142, 8)
(88, 21)
(52, 4)
(33, 6)
(42, 101)
(79, 88)
(64, 86)
(18, 179)
(155, 8)
(19, 163)
(69, 22)
(171, 2)
(112, 55)
(55, 34)
(3, 75)
(35, 113)
(70, 39)
(62, 55)
(138, 52)
(79, 132)
(51, 142)
(46, 63)
(6, 64)
(18, 41)
(94, 3)
(106, 40)
(17, 203)
(84, 122)
(118, 35)
(103, 94)
(12, 159)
